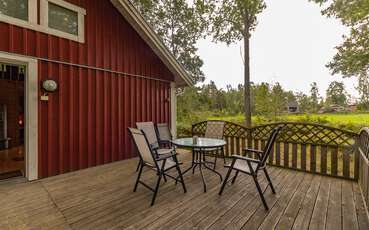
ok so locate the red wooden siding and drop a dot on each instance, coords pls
(85, 123)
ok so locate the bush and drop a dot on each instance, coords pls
(351, 122)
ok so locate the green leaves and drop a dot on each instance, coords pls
(352, 58)
(336, 94)
(234, 20)
(180, 26)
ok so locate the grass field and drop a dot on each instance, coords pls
(349, 121)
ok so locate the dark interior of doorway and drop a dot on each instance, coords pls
(11, 120)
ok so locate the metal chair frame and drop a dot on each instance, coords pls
(252, 171)
(218, 151)
(156, 144)
(161, 140)
(160, 170)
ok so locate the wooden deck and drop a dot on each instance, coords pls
(102, 198)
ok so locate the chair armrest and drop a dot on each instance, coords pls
(166, 156)
(252, 150)
(238, 157)
(165, 142)
(258, 152)
(155, 146)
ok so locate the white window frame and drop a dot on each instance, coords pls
(32, 17)
(44, 20)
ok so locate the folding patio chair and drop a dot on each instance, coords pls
(252, 166)
(164, 134)
(161, 164)
(215, 129)
(149, 129)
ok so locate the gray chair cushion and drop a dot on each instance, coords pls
(243, 166)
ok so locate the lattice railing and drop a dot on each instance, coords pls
(306, 133)
(301, 146)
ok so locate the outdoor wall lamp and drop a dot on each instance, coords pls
(48, 86)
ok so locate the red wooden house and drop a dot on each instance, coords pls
(110, 68)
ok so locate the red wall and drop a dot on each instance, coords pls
(85, 123)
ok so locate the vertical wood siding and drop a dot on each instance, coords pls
(85, 123)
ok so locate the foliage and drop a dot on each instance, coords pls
(261, 99)
(233, 100)
(363, 88)
(278, 100)
(336, 94)
(180, 26)
(233, 21)
(352, 58)
(314, 92)
(348, 121)
(269, 104)
(304, 102)
(268, 101)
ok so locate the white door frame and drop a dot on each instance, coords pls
(173, 109)
(31, 110)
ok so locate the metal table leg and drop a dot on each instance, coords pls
(202, 176)
(199, 160)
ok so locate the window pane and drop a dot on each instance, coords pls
(63, 19)
(15, 8)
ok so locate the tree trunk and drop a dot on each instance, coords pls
(247, 91)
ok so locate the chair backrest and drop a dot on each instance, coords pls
(163, 131)
(269, 146)
(149, 129)
(214, 129)
(142, 146)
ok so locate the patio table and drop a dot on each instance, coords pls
(198, 151)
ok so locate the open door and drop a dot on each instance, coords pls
(12, 119)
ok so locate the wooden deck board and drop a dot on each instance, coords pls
(102, 198)
(288, 216)
(318, 219)
(334, 220)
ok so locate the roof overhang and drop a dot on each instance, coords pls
(134, 18)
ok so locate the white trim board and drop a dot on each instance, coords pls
(31, 111)
(173, 109)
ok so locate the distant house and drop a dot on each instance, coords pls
(352, 107)
(293, 107)
(332, 109)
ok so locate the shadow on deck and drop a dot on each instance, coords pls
(102, 198)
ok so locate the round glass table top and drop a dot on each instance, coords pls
(201, 142)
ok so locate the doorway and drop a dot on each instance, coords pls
(12, 120)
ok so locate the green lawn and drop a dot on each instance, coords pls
(350, 121)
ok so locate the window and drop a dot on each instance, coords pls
(63, 19)
(15, 8)
(19, 12)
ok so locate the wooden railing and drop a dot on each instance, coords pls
(364, 164)
(301, 146)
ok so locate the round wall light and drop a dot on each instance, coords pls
(49, 85)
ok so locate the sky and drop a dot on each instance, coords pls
(291, 45)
